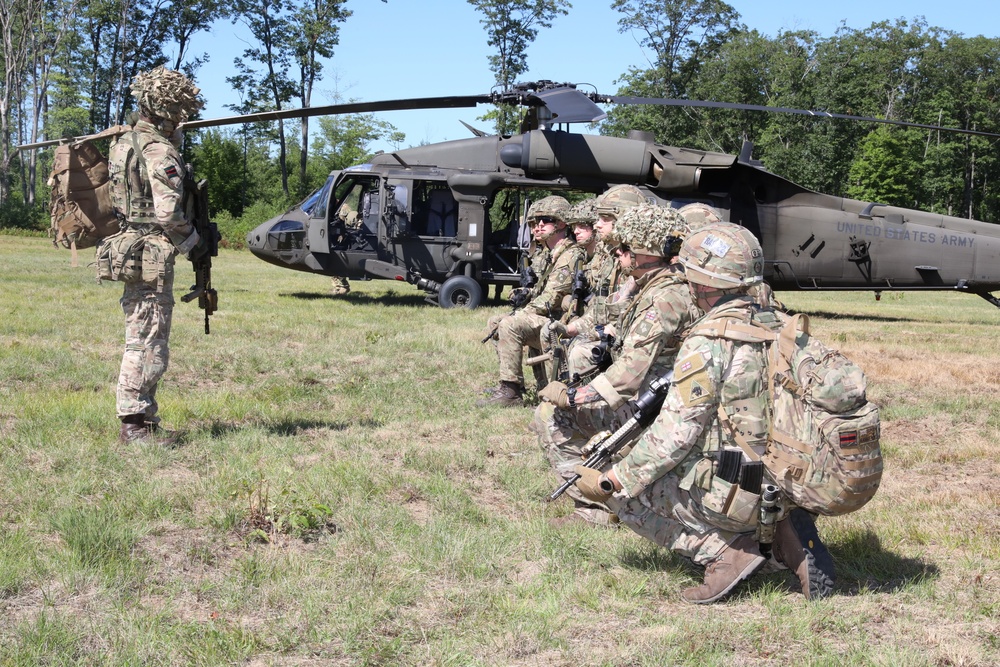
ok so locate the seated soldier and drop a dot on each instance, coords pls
(651, 334)
(602, 310)
(524, 325)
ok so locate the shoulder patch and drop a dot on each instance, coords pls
(171, 172)
(691, 377)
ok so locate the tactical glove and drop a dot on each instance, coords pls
(555, 393)
(593, 484)
(554, 327)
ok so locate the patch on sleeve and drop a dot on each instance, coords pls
(172, 172)
(694, 384)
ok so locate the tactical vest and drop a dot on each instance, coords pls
(131, 189)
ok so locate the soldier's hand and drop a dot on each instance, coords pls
(552, 328)
(555, 393)
(593, 484)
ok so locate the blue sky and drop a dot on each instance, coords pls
(413, 48)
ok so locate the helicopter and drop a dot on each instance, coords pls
(449, 217)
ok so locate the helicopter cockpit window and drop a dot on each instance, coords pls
(286, 235)
(316, 203)
(435, 211)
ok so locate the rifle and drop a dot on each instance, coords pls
(197, 210)
(581, 290)
(647, 407)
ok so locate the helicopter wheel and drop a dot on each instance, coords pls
(460, 292)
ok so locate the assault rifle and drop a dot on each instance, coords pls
(581, 290)
(197, 212)
(600, 354)
(645, 409)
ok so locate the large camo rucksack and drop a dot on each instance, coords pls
(81, 209)
(823, 448)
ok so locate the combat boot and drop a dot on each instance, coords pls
(136, 430)
(737, 562)
(506, 395)
(797, 546)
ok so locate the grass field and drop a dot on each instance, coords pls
(339, 500)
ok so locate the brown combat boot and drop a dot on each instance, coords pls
(136, 430)
(736, 562)
(506, 395)
(797, 546)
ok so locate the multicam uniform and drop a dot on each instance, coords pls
(670, 494)
(523, 327)
(653, 325)
(147, 184)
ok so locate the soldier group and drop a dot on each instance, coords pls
(624, 287)
(655, 275)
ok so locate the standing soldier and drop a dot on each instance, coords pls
(524, 326)
(652, 328)
(671, 487)
(147, 185)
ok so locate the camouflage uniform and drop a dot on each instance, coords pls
(523, 327)
(653, 325)
(668, 493)
(147, 184)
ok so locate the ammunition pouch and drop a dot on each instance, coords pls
(136, 255)
(732, 496)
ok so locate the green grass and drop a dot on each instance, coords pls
(411, 527)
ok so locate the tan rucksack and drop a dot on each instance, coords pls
(81, 209)
(823, 448)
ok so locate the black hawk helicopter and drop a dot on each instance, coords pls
(447, 217)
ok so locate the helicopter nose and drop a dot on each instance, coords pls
(280, 239)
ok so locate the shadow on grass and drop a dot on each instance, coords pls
(823, 314)
(286, 427)
(861, 564)
(387, 299)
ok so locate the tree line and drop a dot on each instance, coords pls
(67, 65)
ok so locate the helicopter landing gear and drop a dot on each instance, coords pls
(460, 292)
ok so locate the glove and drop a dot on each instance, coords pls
(555, 392)
(593, 484)
(555, 327)
(199, 250)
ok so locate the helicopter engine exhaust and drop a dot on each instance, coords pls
(543, 153)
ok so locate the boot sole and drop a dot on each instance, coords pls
(819, 562)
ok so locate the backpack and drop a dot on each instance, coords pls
(823, 447)
(80, 208)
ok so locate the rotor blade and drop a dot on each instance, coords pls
(569, 105)
(351, 107)
(659, 101)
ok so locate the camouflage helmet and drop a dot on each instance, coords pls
(650, 229)
(618, 198)
(582, 213)
(553, 205)
(698, 214)
(722, 255)
(166, 94)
